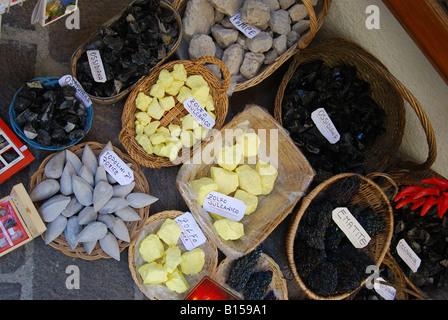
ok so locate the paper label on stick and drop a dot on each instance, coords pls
(199, 113)
(325, 125)
(116, 167)
(68, 80)
(351, 227)
(408, 255)
(225, 206)
(96, 65)
(248, 30)
(191, 235)
(385, 291)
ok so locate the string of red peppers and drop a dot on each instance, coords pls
(425, 197)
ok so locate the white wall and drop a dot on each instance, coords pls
(393, 46)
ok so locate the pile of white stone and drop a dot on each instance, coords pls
(208, 30)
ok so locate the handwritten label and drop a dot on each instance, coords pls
(68, 80)
(248, 30)
(385, 291)
(325, 125)
(225, 206)
(96, 65)
(116, 167)
(191, 235)
(199, 113)
(408, 255)
(351, 227)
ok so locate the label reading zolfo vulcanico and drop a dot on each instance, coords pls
(351, 227)
(408, 255)
(119, 170)
(191, 235)
(325, 125)
(248, 30)
(68, 80)
(96, 65)
(225, 206)
(199, 113)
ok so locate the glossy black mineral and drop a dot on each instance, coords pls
(143, 35)
(257, 285)
(347, 101)
(50, 116)
(242, 269)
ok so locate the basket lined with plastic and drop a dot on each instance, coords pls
(133, 133)
(386, 91)
(324, 262)
(299, 33)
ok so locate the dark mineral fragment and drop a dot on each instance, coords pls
(257, 285)
(240, 273)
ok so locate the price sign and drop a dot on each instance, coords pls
(116, 167)
(191, 235)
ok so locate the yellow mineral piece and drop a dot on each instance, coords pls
(184, 93)
(153, 273)
(151, 128)
(157, 138)
(268, 175)
(192, 261)
(174, 130)
(143, 117)
(249, 200)
(144, 141)
(249, 179)
(250, 143)
(175, 87)
(187, 138)
(196, 81)
(172, 258)
(165, 79)
(151, 248)
(143, 101)
(176, 282)
(169, 232)
(157, 91)
(167, 103)
(179, 72)
(229, 157)
(201, 94)
(227, 180)
(202, 187)
(189, 122)
(155, 110)
(229, 229)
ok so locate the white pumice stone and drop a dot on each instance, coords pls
(114, 204)
(73, 159)
(107, 218)
(45, 190)
(121, 191)
(120, 230)
(140, 200)
(87, 175)
(102, 193)
(109, 244)
(127, 214)
(100, 175)
(65, 181)
(72, 208)
(53, 168)
(89, 246)
(93, 231)
(82, 190)
(89, 159)
(55, 228)
(71, 231)
(53, 207)
(87, 215)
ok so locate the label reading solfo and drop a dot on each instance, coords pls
(96, 66)
(119, 170)
(248, 30)
(325, 125)
(225, 206)
(191, 235)
(351, 227)
(199, 113)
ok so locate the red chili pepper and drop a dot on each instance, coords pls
(418, 203)
(404, 202)
(434, 191)
(428, 204)
(437, 182)
(442, 206)
(410, 190)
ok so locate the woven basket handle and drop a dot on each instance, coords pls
(391, 181)
(225, 71)
(315, 22)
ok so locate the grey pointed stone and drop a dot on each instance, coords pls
(109, 244)
(102, 193)
(114, 204)
(55, 228)
(53, 168)
(71, 231)
(93, 231)
(44, 190)
(140, 200)
(53, 207)
(82, 190)
(87, 215)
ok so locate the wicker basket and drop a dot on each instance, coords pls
(217, 90)
(387, 91)
(294, 177)
(134, 227)
(81, 49)
(159, 292)
(369, 195)
(317, 16)
(265, 263)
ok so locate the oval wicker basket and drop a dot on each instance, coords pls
(387, 91)
(217, 90)
(317, 16)
(159, 292)
(369, 195)
(134, 227)
(81, 49)
(265, 263)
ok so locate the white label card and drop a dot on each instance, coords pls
(191, 235)
(325, 125)
(385, 291)
(68, 80)
(351, 227)
(225, 206)
(248, 30)
(96, 65)
(199, 113)
(408, 255)
(119, 170)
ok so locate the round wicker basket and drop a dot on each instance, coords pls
(160, 292)
(369, 195)
(134, 227)
(387, 91)
(218, 91)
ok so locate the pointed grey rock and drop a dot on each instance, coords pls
(120, 230)
(127, 214)
(93, 231)
(121, 191)
(89, 159)
(82, 190)
(114, 204)
(53, 168)
(53, 207)
(102, 193)
(109, 244)
(89, 246)
(87, 215)
(100, 175)
(66, 179)
(140, 200)
(55, 228)
(72, 208)
(73, 159)
(44, 190)
(107, 218)
(71, 231)
(87, 175)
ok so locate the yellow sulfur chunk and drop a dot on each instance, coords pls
(165, 79)
(172, 258)
(167, 103)
(201, 94)
(176, 282)
(143, 101)
(184, 93)
(151, 248)
(144, 141)
(200, 133)
(173, 149)
(209, 104)
(187, 138)
(151, 128)
(155, 110)
(250, 143)
(212, 115)
(249, 179)
(215, 216)
(249, 200)
(169, 232)
(157, 91)
(227, 180)
(229, 229)
(158, 138)
(229, 157)
(179, 72)
(189, 122)
(192, 261)
(143, 117)
(268, 175)
(202, 187)
(165, 131)
(195, 81)
(174, 130)
(175, 87)
(139, 128)
(153, 273)
(157, 149)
